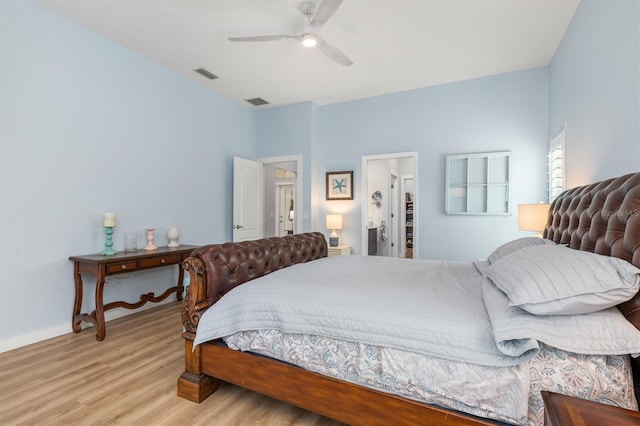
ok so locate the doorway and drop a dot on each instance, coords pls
(285, 212)
(254, 200)
(282, 174)
(389, 220)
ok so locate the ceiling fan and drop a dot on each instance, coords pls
(310, 35)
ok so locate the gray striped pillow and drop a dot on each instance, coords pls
(557, 280)
(513, 246)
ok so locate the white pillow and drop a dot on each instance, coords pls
(557, 280)
(515, 245)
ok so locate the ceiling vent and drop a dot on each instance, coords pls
(207, 74)
(257, 101)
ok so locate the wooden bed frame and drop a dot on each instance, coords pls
(602, 218)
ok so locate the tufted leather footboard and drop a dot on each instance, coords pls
(217, 268)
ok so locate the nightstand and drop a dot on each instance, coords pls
(339, 250)
(561, 410)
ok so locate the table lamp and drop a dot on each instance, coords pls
(533, 217)
(334, 222)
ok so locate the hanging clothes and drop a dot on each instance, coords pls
(383, 231)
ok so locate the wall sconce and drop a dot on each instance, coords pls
(334, 222)
(533, 217)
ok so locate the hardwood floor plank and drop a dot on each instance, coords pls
(127, 379)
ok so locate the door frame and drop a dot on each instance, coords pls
(395, 236)
(365, 197)
(298, 190)
(280, 186)
(403, 207)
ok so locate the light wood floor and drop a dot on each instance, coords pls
(128, 379)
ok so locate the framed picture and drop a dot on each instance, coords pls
(340, 185)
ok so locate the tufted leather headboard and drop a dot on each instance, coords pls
(215, 269)
(603, 218)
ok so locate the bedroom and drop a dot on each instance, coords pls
(67, 158)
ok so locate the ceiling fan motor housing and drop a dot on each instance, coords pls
(308, 9)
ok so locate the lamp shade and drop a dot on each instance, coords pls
(334, 221)
(532, 217)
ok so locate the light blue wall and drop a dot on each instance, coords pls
(503, 112)
(595, 89)
(87, 127)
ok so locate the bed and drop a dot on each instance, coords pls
(598, 223)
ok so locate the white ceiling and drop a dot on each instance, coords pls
(396, 45)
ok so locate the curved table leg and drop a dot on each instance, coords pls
(180, 290)
(101, 328)
(77, 278)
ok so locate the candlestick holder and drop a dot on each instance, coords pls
(150, 245)
(108, 244)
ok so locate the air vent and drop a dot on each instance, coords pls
(257, 101)
(207, 74)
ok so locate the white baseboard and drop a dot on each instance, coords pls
(60, 329)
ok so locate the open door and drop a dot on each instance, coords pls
(248, 199)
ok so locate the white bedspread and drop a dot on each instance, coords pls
(430, 307)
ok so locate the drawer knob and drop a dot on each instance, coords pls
(124, 266)
(161, 260)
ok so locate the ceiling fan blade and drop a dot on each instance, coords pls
(263, 37)
(325, 11)
(334, 53)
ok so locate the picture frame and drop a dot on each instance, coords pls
(340, 185)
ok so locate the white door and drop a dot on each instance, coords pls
(248, 199)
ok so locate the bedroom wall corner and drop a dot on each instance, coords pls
(595, 88)
(286, 131)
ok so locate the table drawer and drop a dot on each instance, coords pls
(169, 259)
(118, 268)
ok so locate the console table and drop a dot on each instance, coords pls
(102, 266)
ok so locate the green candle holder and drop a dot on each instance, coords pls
(108, 244)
